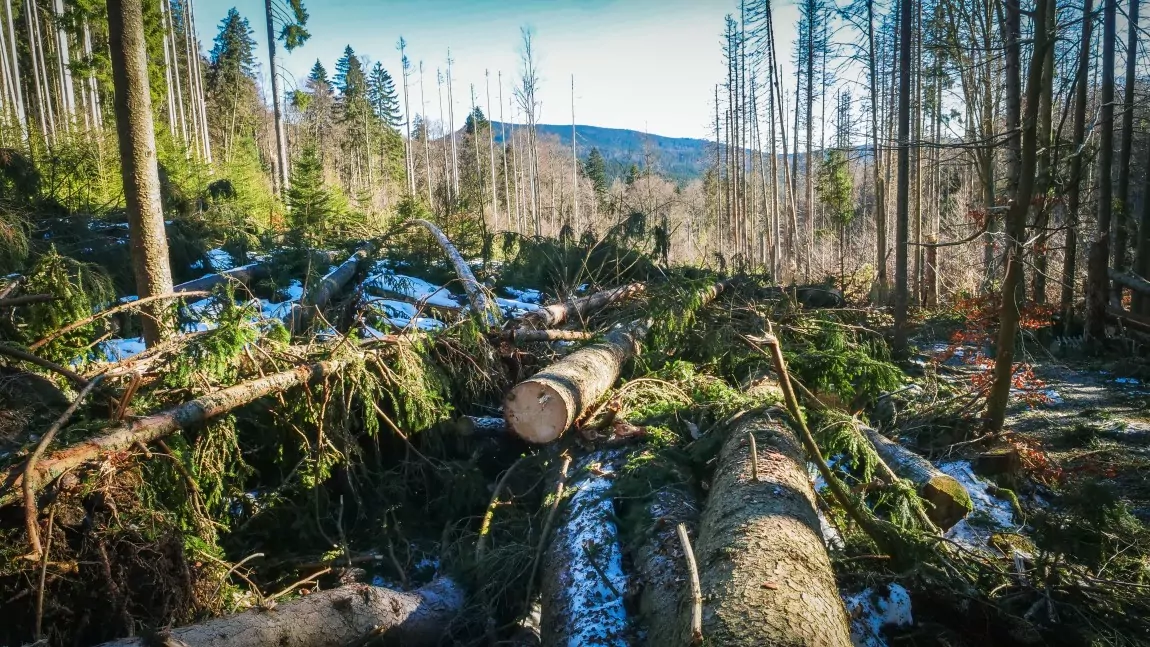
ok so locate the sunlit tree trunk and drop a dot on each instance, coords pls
(1122, 201)
(902, 216)
(138, 163)
(1097, 281)
(426, 136)
(277, 106)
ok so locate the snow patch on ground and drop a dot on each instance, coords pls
(220, 260)
(873, 609)
(384, 278)
(512, 308)
(1127, 380)
(990, 514)
(401, 315)
(595, 614)
(271, 310)
(115, 350)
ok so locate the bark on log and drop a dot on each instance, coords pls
(542, 407)
(335, 618)
(557, 314)
(161, 424)
(1130, 280)
(244, 274)
(583, 580)
(475, 293)
(809, 296)
(661, 568)
(516, 336)
(765, 573)
(301, 313)
(949, 501)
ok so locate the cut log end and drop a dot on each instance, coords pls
(537, 412)
(949, 500)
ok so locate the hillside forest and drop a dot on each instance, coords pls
(321, 361)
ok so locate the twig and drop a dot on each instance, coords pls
(696, 588)
(233, 568)
(547, 524)
(599, 569)
(129, 393)
(36, 632)
(43, 363)
(485, 527)
(289, 588)
(111, 311)
(812, 448)
(30, 510)
(754, 458)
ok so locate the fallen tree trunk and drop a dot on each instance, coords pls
(517, 336)
(244, 274)
(808, 296)
(301, 313)
(540, 408)
(949, 501)
(161, 424)
(582, 575)
(661, 567)
(557, 314)
(25, 299)
(1131, 281)
(16, 353)
(130, 305)
(352, 614)
(765, 574)
(475, 293)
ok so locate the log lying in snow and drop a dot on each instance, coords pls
(244, 274)
(661, 567)
(301, 313)
(341, 616)
(765, 573)
(475, 294)
(949, 501)
(557, 314)
(161, 424)
(582, 575)
(541, 408)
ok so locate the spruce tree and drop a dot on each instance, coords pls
(474, 118)
(233, 54)
(312, 203)
(596, 170)
(318, 74)
(383, 96)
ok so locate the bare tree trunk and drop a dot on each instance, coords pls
(1140, 302)
(1016, 225)
(1097, 287)
(1124, 219)
(198, 77)
(170, 30)
(782, 592)
(504, 144)
(558, 314)
(39, 80)
(169, 62)
(475, 294)
(881, 286)
(1045, 143)
(451, 120)
(901, 296)
(448, 184)
(21, 108)
(67, 91)
(277, 107)
(348, 615)
(138, 163)
(409, 157)
(426, 137)
(1074, 190)
(491, 153)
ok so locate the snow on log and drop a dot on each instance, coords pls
(475, 293)
(765, 573)
(949, 501)
(352, 614)
(661, 567)
(582, 575)
(161, 424)
(301, 313)
(557, 314)
(540, 408)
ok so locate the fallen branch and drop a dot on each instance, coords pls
(475, 293)
(949, 500)
(31, 512)
(1130, 280)
(131, 305)
(765, 574)
(557, 314)
(162, 424)
(583, 569)
(16, 353)
(332, 618)
(244, 274)
(696, 587)
(26, 299)
(661, 565)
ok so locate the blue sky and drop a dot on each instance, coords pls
(639, 64)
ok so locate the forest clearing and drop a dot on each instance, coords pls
(306, 365)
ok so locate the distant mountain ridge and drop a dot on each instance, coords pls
(679, 158)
